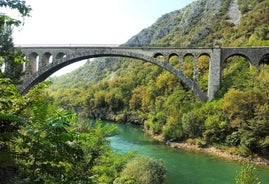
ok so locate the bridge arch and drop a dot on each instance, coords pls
(204, 54)
(67, 59)
(239, 55)
(60, 55)
(264, 59)
(46, 59)
(253, 54)
(188, 65)
(158, 54)
(172, 55)
(174, 60)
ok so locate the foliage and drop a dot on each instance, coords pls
(11, 121)
(19, 5)
(247, 175)
(47, 145)
(10, 101)
(8, 54)
(55, 149)
(142, 170)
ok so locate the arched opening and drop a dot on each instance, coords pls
(235, 73)
(69, 68)
(46, 59)
(33, 62)
(188, 65)
(159, 57)
(60, 55)
(174, 60)
(264, 60)
(203, 71)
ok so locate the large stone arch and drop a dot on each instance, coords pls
(253, 54)
(238, 55)
(45, 71)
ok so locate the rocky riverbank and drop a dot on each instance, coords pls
(214, 152)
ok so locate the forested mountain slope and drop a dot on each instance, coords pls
(135, 91)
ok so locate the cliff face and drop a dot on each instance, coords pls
(234, 12)
(194, 19)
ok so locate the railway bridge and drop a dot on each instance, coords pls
(45, 60)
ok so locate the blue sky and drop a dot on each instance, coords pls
(91, 21)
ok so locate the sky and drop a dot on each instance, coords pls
(90, 22)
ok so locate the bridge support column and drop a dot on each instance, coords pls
(215, 70)
(181, 64)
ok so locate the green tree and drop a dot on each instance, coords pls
(53, 148)
(8, 54)
(142, 170)
(193, 124)
(239, 106)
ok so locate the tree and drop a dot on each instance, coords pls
(193, 124)
(19, 5)
(52, 148)
(10, 123)
(8, 54)
(142, 170)
(239, 106)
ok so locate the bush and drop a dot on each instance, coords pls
(200, 143)
(172, 130)
(247, 175)
(233, 139)
(142, 170)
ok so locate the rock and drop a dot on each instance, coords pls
(199, 12)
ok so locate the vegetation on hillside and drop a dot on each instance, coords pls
(138, 92)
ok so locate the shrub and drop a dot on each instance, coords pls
(142, 170)
(200, 143)
(247, 175)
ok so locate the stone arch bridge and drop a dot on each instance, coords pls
(45, 60)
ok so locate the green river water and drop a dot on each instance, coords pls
(182, 167)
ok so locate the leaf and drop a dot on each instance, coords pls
(12, 118)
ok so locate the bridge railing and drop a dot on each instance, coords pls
(65, 45)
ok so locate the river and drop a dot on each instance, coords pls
(183, 167)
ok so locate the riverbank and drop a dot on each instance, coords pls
(213, 152)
